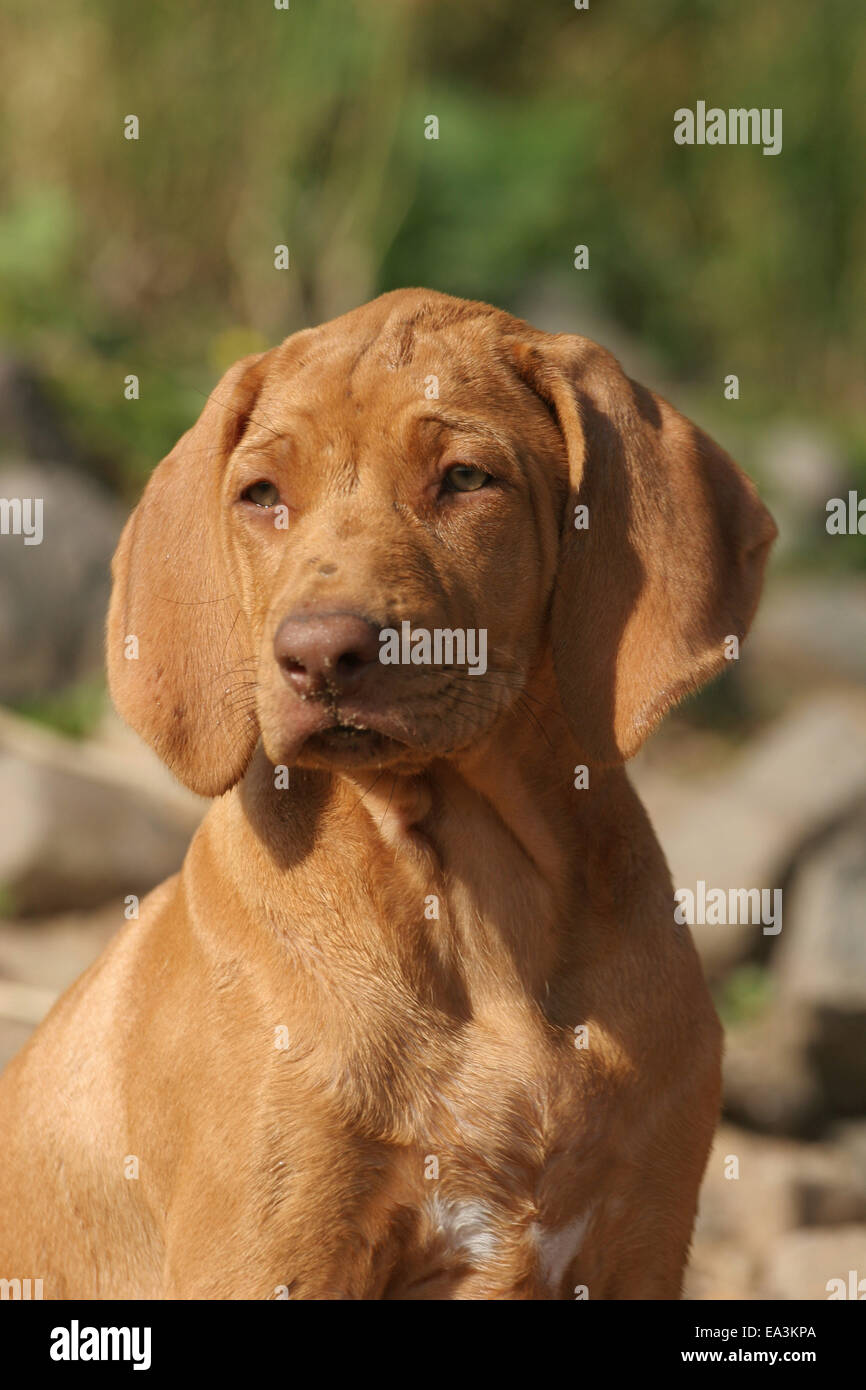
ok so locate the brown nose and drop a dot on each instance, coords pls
(325, 653)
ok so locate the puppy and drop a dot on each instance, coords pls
(415, 1020)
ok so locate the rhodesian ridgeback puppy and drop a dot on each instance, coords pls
(415, 1019)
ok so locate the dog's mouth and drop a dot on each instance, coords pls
(353, 732)
(351, 744)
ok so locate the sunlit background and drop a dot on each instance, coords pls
(306, 128)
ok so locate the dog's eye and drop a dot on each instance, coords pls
(261, 494)
(464, 478)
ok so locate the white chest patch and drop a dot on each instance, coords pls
(469, 1229)
(465, 1227)
(557, 1248)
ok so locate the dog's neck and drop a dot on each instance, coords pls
(495, 799)
(518, 777)
(474, 857)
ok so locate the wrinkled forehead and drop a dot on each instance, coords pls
(379, 383)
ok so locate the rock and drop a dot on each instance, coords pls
(809, 630)
(80, 826)
(754, 1207)
(29, 425)
(829, 1187)
(769, 1084)
(804, 1063)
(850, 1135)
(45, 955)
(745, 827)
(739, 1217)
(781, 1186)
(720, 1270)
(803, 1263)
(822, 960)
(38, 960)
(54, 595)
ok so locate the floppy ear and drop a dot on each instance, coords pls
(175, 595)
(670, 563)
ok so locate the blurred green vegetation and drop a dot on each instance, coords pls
(745, 995)
(74, 711)
(306, 127)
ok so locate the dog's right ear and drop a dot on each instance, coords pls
(177, 633)
(670, 564)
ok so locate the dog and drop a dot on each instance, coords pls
(415, 1020)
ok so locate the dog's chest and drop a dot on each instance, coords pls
(462, 1113)
(492, 1178)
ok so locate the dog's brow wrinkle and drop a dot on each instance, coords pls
(358, 359)
(398, 349)
(468, 425)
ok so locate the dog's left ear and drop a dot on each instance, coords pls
(177, 637)
(665, 564)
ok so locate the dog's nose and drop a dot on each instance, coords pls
(326, 652)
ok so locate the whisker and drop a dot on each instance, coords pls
(390, 797)
(231, 630)
(379, 774)
(242, 668)
(538, 725)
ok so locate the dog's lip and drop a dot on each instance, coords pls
(345, 729)
(351, 730)
(351, 745)
(336, 724)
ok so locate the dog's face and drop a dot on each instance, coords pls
(365, 546)
(356, 504)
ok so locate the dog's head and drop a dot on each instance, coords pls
(364, 546)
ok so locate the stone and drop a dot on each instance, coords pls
(746, 826)
(54, 595)
(769, 1084)
(821, 968)
(80, 824)
(803, 1263)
